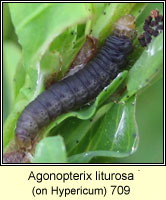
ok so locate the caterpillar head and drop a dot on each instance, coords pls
(125, 26)
(23, 139)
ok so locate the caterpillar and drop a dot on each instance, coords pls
(16, 157)
(81, 87)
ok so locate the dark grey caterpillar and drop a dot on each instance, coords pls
(78, 89)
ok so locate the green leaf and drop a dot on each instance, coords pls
(57, 52)
(114, 135)
(146, 67)
(103, 26)
(73, 130)
(12, 55)
(138, 9)
(40, 23)
(50, 150)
